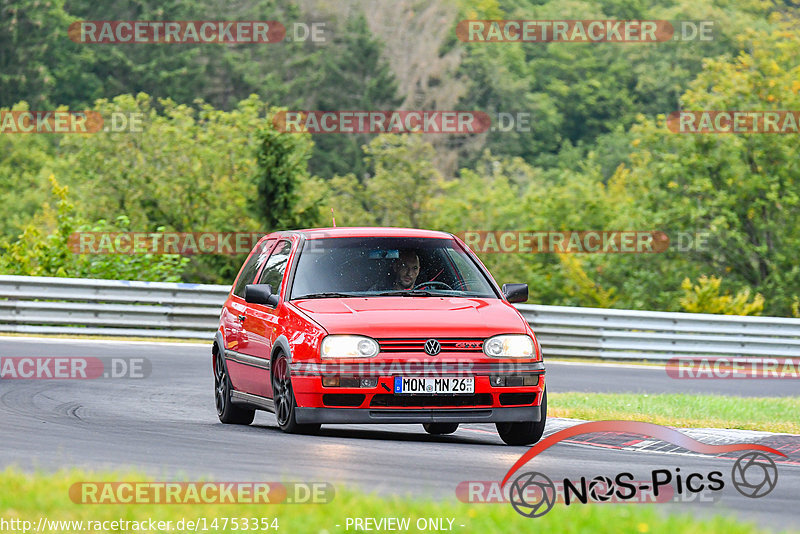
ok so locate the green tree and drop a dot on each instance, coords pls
(44, 249)
(405, 179)
(282, 164)
(38, 63)
(740, 188)
(353, 76)
(25, 164)
(401, 192)
(188, 169)
(704, 297)
(76, 74)
(578, 93)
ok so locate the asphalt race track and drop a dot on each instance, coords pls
(166, 425)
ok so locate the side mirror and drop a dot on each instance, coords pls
(260, 294)
(512, 292)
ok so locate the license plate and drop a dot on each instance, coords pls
(426, 385)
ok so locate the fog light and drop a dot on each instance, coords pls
(497, 380)
(531, 380)
(349, 382)
(513, 380)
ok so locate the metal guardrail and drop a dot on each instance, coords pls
(43, 305)
(633, 334)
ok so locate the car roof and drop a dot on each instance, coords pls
(367, 231)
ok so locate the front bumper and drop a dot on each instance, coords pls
(453, 415)
(488, 404)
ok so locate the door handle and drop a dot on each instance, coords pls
(241, 317)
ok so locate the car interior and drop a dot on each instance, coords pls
(368, 268)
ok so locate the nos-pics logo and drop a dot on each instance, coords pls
(533, 494)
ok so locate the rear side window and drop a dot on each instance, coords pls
(251, 266)
(276, 266)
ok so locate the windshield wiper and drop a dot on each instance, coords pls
(406, 293)
(330, 295)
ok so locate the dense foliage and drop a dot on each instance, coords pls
(597, 154)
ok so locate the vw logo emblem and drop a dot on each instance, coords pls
(432, 347)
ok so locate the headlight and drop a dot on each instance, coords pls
(509, 346)
(341, 346)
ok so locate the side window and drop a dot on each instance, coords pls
(251, 266)
(276, 266)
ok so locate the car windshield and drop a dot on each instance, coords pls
(387, 266)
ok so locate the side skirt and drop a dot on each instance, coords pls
(262, 403)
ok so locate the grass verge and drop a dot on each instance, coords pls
(32, 496)
(771, 414)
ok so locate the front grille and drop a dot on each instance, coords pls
(507, 399)
(417, 344)
(343, 399)
(425, 401)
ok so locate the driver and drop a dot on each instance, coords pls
(405, 269)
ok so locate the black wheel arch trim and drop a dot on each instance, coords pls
(281, 344)
(219, 343)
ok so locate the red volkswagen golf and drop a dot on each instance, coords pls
(376, 325)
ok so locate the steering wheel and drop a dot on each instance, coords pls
(461, 285)
(433, 283)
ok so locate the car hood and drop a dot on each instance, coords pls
(383, 317)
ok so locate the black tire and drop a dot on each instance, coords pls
(228, 412)
(440, 429)
(525, 433)
(283, 398)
